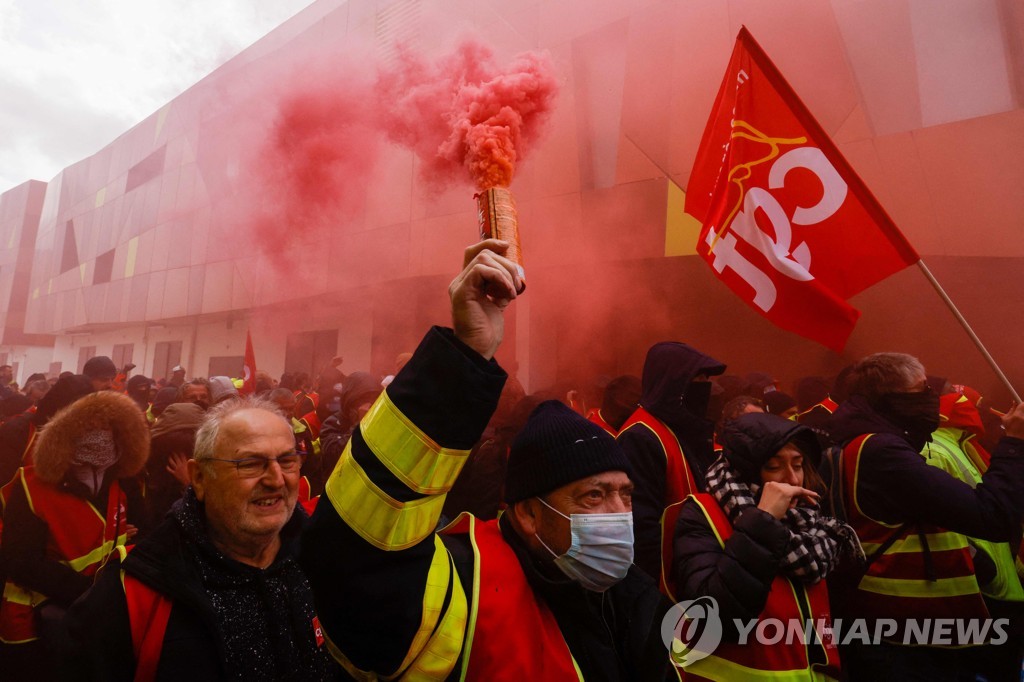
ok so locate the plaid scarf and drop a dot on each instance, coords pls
(816, 542)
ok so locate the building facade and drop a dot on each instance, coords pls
(146, 251)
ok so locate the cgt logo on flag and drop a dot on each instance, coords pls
(692, 630)
(787, 224)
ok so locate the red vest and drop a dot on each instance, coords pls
(679, 481)
(312, 422)
(786, 660)
(933, 578)
(595, 416)
(511, 636)
(79, 536)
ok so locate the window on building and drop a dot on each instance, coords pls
(84, 353)
(122, 354)
(310, 351)
(166, 355)
(227, 366)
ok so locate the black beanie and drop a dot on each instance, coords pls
(556, 447)
(99, 367)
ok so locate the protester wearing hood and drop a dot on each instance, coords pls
(551, 583)
(173, 437)
(18, 434)
(167, 395)
(138, 389)
(916, 517)
(669, 440)
(64, 515)
(757, 544)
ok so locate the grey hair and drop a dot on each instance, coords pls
(880, 373)
(209, 430)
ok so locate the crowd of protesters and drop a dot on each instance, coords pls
(172, 529)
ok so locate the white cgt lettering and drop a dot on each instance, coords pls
(793, 262)
(777, 251)
(726, 256)
(814, 160)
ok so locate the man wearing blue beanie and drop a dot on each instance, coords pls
(546, 592)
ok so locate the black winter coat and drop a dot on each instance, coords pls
(97, 640)
(739, 576)
(896, 485)
(668, 374)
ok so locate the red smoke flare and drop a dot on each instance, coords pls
(465, 112)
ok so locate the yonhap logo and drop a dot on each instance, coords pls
(692, 630)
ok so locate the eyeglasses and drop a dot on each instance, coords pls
(254, 467)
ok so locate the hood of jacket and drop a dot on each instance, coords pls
(750, 440)
(103, 410)
(179, 417)
(855, 416)
(669, 370)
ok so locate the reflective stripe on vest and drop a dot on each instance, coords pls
(148, 614)
(495, 650)
(948, 451)
(933, 578)
(438, 642)
(679, 482)
(678, 479)
(595, 416)
(78, 536)
(377, 517)
(783, 660)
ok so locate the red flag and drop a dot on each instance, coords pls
(248, 368)
(788, 224)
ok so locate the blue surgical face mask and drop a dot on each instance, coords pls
(601, 551)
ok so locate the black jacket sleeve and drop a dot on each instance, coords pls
(895, 485)
(647, 458)
(370, 600)
(738, 575)
(25, 538)
(97, 639)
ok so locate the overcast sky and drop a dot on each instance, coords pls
(74, 75)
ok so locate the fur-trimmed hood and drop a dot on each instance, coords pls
(55, 446)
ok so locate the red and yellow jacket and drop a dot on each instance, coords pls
(80, 536)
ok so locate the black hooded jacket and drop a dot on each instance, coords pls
(896, 485)
(669, 395)
(739, 576)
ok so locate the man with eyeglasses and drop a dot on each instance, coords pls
(215, 591)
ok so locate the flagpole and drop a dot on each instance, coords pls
(967, 327)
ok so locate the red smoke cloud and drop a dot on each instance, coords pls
(463, 114)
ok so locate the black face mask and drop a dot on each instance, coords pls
(696, 398)
(915, 413)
